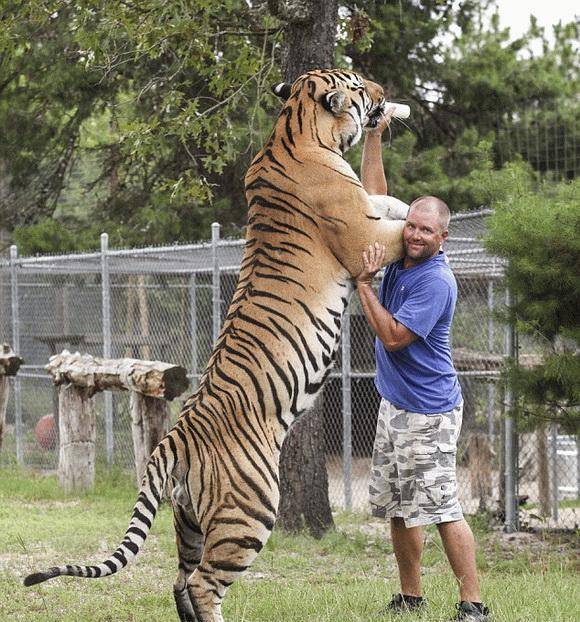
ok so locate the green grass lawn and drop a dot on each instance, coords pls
(347, 576)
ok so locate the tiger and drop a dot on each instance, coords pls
(309, 221)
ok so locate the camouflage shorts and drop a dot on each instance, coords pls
(413, 473)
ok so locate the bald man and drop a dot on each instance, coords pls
(413, 480)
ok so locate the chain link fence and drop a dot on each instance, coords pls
(168, 303)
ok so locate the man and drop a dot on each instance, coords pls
(413, 478)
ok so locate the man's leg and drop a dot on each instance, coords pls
(459, 547)
(408, 546)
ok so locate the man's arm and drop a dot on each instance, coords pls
(372, 170)
(392, 334)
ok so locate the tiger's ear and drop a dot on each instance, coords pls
(334, 101)
(282, 90)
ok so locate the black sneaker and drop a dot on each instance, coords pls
(472, 612)
(400, 603)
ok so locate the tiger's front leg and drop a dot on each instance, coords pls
(389, 207)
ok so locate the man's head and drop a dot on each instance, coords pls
(426, 228)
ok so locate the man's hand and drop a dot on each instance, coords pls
(383, 122)
(373, 261)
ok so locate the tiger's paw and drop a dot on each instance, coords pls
(389, 207)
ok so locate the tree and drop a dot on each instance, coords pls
(479, 98)
(309, 42)
(539, 234)
(167, 87)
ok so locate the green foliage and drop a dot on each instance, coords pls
(486, 76)
(147, 115)
(401, 46)
(462, 174)
(168, 85)
(460, 71)
(539, 235)
(47, 235)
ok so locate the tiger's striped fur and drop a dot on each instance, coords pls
(309, 221)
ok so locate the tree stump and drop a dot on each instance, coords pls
(149, 423)
(77, 433)
(9, 366)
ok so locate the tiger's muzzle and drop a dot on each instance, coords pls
(374, 115)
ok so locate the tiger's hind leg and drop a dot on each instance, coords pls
(229, 550)
(189, 540)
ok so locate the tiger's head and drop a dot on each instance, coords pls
(332, 107)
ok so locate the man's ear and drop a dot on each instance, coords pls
(334, 101)
(282, 90)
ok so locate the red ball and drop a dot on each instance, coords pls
(45, 432)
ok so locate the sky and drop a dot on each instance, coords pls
(516, 13)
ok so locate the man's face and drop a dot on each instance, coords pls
(423, 234)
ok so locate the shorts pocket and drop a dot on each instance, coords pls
(447, 447)
(424, 433)
(439, 494)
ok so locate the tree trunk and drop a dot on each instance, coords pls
(143, 317)
(303, 477)
(309, 41)
(480, 455)
(309, 35)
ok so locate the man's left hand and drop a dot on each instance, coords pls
(373, 261)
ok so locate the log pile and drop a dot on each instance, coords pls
(79, 377)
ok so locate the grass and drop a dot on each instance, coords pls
(346, 576)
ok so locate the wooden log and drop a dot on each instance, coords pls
(77, 433)
(9, 362)
(151, 378)
(149, 423)
(9, 365)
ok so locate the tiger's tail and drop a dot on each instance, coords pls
(157, 473)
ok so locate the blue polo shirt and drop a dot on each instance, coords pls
(420, 377)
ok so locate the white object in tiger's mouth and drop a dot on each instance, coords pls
(402, 111)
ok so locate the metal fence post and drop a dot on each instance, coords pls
(215, 289)
(554, 469)
(193, 327)
(346, 412)
(578, 467)
(16, 348)
(107, 350)
(511, 511)
(490, 348)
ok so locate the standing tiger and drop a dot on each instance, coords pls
(309, 221)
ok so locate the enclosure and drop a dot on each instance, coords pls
(167, 303)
